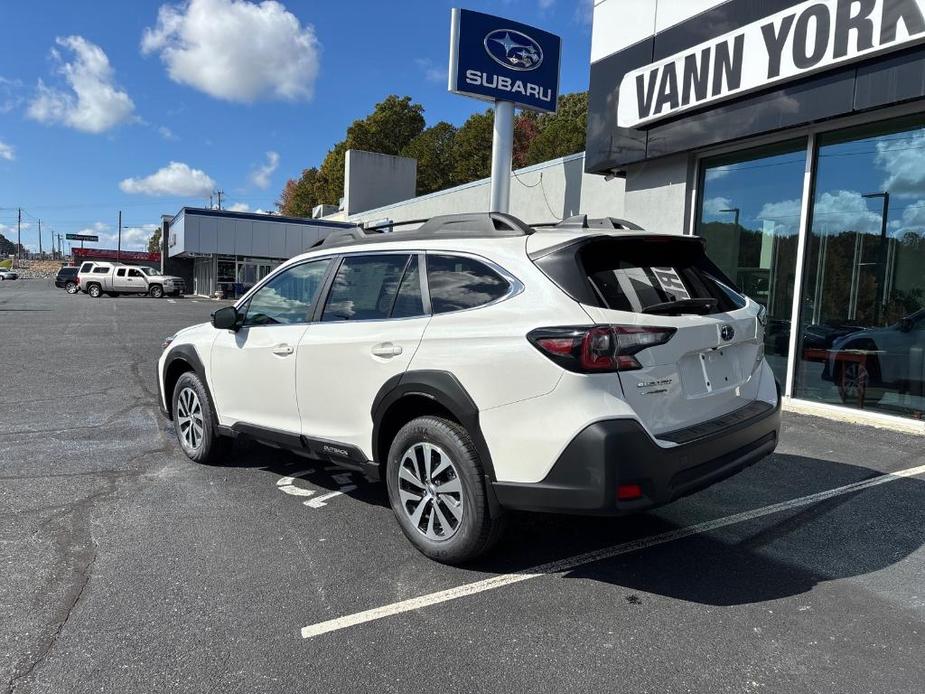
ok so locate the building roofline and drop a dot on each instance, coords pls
(253, 216)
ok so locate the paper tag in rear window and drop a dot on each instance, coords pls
(671, 283)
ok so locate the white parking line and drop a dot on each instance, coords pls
(563, 565)
(171, 301)
(320, 501)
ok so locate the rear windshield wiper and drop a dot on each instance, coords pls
(681, 306)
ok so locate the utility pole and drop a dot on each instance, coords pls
(211, 203)
(40, 239)
(119, 248)
(219, 194)
(18, 235)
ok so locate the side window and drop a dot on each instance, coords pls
(86, 267)
(120, 272)
(100, 270)
(365, 287)
(457, 283)
(135, 273)
(287, 298)
(409, 302)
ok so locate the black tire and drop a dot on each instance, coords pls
(476, 531)
(210, 448)
(854, 382)
(95, 290)
(156, 291)
(71, 287)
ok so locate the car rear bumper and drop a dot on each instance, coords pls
(615, 452)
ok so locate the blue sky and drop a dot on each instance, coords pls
(143, 106)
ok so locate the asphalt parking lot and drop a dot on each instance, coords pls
(126, 568)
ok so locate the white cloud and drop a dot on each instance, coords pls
(134, 238)
(904, 162)
(260, 176)
(432, 71)
(7, 151)
(176, 179)
(166, 133)
(712, 208)
(239, 207)
(545, 4)
(91, 102)
(718, 172)
(236, 50)
(845, 210)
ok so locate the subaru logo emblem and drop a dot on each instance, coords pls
(727, 332)
(513, 50)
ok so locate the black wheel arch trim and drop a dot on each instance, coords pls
(189, 355)
(443, 388)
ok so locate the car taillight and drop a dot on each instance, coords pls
(598, 349)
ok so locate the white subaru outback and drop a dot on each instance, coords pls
(477, 364)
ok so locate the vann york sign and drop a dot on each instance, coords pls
(809, 37)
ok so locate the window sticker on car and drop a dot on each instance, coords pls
(671, 283)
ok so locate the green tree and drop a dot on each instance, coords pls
(394, 123)
(298, 196)
(472, 145)
(435, 154)
(329, 183)
(6, 246)
(154, 243)
(561, 133)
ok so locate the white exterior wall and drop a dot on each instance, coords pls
(658, 193)
(372, 180)
(542, 193)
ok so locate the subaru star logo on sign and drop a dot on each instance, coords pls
(514, 50)
(499, 60)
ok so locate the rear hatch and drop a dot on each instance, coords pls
(711, 335)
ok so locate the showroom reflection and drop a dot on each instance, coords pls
(750, 218)
(863, 325)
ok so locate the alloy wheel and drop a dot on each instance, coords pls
(190, 424)
(853, 381)
(430, 491)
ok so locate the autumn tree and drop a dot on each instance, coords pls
(298, 196)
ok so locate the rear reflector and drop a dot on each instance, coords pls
(598, 349)
(628, 492)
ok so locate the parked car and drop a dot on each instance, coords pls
(867, 362)
(66, 279)
(8, 275)
(113, 279)
(478, 365)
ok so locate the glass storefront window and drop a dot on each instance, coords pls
(750, 217)
(862, 340)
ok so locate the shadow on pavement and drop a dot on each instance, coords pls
(768, 558)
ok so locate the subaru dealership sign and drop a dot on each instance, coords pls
(499, 60)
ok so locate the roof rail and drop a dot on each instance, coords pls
(345, 236)
(473, 225)
(582, 221)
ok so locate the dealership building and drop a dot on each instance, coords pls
(223, 252)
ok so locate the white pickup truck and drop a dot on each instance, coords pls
(113, 279)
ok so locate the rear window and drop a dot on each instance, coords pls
(86, 267)
(662, 275)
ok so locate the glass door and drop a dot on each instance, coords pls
(862, 341)
(749, 214)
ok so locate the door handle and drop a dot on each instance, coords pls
(386, 350)
(282, 350)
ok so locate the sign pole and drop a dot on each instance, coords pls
(502, 154)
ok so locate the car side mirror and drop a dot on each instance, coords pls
(227, 318)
